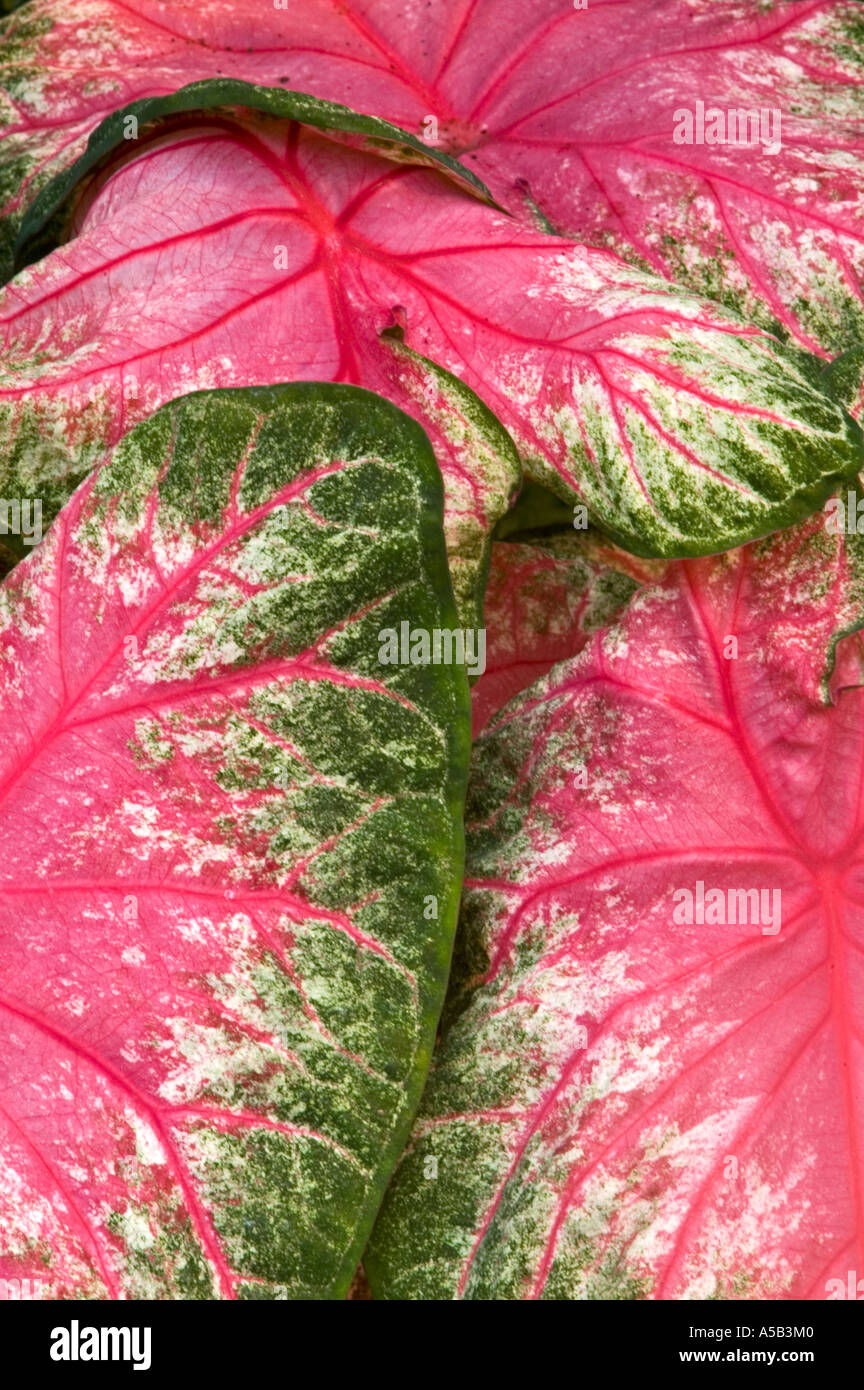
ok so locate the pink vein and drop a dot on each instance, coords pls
(201, 1221)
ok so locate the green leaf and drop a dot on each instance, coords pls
(232, 848)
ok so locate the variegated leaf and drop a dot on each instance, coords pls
(649, 1078)
(231, 850)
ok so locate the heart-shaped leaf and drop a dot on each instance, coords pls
(649, 1079)
(237, 251)
(231, 848)
(719, 144)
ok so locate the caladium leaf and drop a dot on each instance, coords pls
(628, 1101)
(682, 429)
(46, 217)
(543, 601)
(231, 847)
(570, 115)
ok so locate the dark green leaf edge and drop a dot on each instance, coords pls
(489, 433)
(359, 405)
(364, 422)
(44, 221)
(843, 378)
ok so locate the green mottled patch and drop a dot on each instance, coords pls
(45, 453)
(672, 472)
(299, 806)
(844, 380)
(486, 471)
(847, 38)
(21, 152)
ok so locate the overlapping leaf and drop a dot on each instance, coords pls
(239, 251)
(231, 850)
(238, 906)
(624, 1104)
(46, 216)
(543, 601)
(568, 114)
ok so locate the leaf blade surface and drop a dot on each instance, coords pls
(625, 1104)
(236, 251)
(221, 818)
(569, 116)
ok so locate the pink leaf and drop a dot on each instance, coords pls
(241, 251)
(568, 115)
(223, 824)
(543, 600)
(625, 1102)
